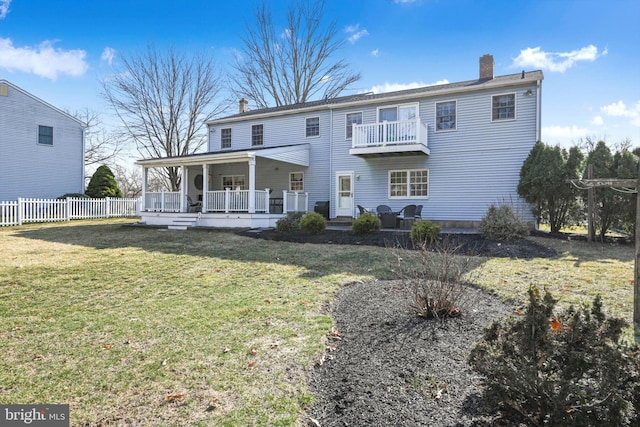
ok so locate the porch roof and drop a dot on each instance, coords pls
(295, 154)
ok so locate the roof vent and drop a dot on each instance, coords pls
(4, 90)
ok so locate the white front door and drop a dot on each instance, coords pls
(344, 194)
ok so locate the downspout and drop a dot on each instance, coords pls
(539, 110)
(83, 186)
(330, 158)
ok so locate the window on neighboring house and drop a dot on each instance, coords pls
(45, 135)
(296, 181)
(503, 107)
(234, 182)
(352, 119)
(313, 126)
(409, 183)
(225, 138)
(446, 115)
(257, 135)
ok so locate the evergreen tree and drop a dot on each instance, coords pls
(544, 182)
(103, 184)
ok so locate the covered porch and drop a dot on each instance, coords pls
(237, 189)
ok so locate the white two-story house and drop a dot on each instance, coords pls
(41, 147)
(453, 148)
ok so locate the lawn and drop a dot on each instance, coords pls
(150, 327)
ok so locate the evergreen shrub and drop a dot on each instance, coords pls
(313, 223)
(502, 224)
(367, 223)
(290, 223)
(424, 233)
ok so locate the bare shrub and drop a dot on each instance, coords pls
(435, 278)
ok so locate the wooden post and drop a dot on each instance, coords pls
(636, 275)
(590, 207)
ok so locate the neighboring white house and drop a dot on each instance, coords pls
(41, 147)
(453, 148)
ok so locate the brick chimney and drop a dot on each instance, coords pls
(244, 105)
(486, 67)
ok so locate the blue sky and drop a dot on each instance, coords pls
(589, 50)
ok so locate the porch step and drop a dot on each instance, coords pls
(341, 221)
(183, 223)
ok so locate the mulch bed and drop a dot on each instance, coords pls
(383, 365)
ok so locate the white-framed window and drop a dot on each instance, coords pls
(395, 113)
(234, 182)
(352, 119)
(503, 107)
(446, 113)
(407, 184)
(296, 181)
(45, 135)
(257, 135)
(225, 138)
(312, 127)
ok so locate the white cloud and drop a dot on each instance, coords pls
(375, 52)
(4, 8)
(108, 54)
(551, 134)
(392, 87)
(620, 109)
(43, 60)
(555, 61)
(597, 121)
(356, 33)
(403, 1)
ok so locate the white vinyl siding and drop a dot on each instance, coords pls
(503, 107)
(446, 116)
(409, 183)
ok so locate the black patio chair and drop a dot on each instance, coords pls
(388, 218)
(408, 213)
(418, 214)
(193, 206)
(363, 210)
(383, 209)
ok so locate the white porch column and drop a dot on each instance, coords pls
(205, 186)
(145, 177)
(183, 189)
(252, 185)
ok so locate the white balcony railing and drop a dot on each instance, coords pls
(235, 201)
(389, 133)
(163, 201)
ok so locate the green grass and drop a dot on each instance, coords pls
(113, 319)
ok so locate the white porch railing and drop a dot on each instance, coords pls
(389, 133)
(235, 201)
(52, 210)
(295, 202)
(164, 201)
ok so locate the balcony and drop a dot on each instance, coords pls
(399, 138)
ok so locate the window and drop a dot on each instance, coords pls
(409, 183)
(503, 107)
(45, 135)
(296, 181)
(225, 138)
(257, 135)
(313, 126)
(446, 115)
(234, 182)
(352, 119)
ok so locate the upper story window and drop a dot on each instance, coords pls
(225, 138)
(409, 183)
(296, 181)
(257, 135)
(313, 127)
(45, 135)
(503, 107)
(445, 115)
(398, 113)
(352, 119)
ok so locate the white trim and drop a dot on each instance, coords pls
(435, 116)
(515, 108)
(408, 172)
(290, 181)
(351, 175)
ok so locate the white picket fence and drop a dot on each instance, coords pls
(51, 210)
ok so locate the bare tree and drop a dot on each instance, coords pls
(101, 146)
(163, 100)
(294, 65)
